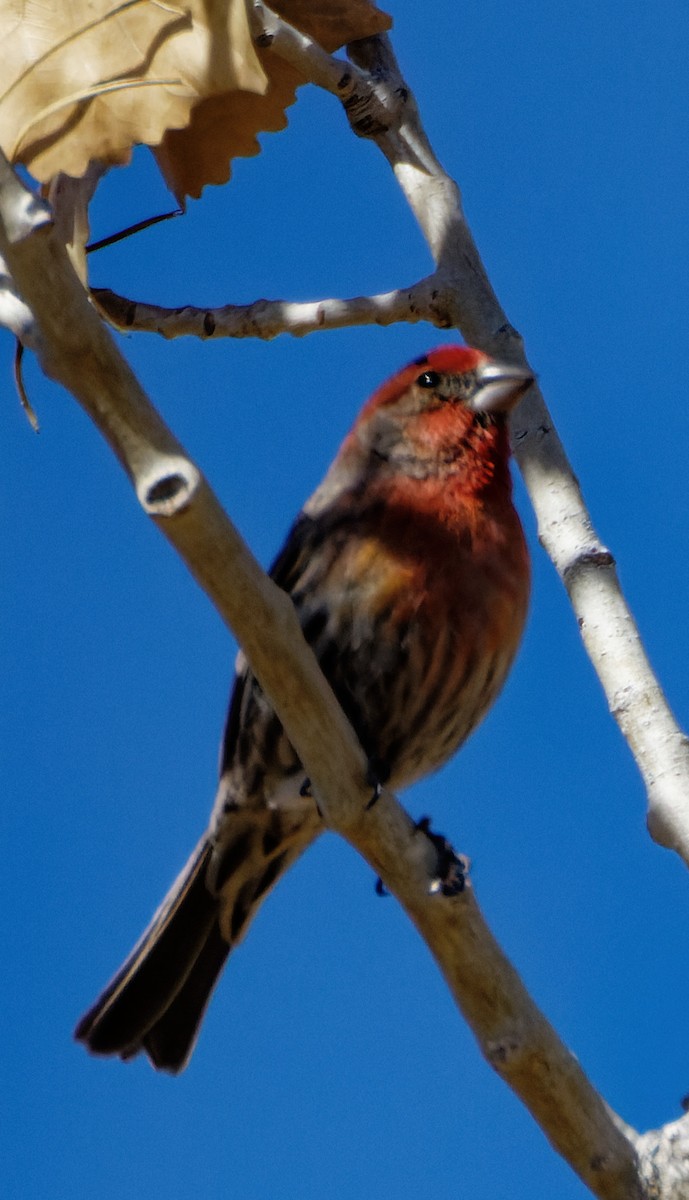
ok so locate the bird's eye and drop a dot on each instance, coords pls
(429, 379)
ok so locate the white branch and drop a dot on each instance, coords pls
(268, 318)
(333, 74)
(566, 531)
(585, 566)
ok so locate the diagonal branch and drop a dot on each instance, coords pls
(75, 349)
(585, 566)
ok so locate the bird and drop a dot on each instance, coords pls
(409, 572)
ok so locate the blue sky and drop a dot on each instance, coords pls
(332, 1061)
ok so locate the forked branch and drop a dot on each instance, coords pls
(75, 349)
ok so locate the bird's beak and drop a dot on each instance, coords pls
(500, 387)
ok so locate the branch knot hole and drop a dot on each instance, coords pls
(168, 487)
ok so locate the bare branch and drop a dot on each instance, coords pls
(515, 1037)
(268, 318)
(333, 74)
(584, 564)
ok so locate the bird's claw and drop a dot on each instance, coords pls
(452, 870)
(377, 775)
(375, 795)
(306, 794)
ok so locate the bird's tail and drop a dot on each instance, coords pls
(157, 999)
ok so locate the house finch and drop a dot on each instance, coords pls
(409, 572)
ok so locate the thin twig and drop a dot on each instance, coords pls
(138, 227)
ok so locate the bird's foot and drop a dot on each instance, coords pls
(452, 871)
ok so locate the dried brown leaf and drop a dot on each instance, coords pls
(88, 79)
(225, 127)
